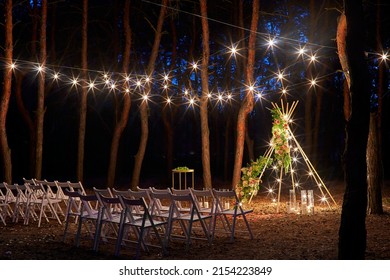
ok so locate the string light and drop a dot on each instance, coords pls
(301, 51)
(195, 66)
(313, 58)
(271, 43)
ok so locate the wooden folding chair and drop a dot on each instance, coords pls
(228, 205)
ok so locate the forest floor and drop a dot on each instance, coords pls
(276, 237)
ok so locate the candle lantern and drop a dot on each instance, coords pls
(310, 205)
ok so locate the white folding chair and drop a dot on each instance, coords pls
(88, 216)
(110, 210)
(205, 202)
(40, 199)
(186, 219)
(73, 209)
(3, 204)
(228, 205)
(160, 204)
(142, 225)
(54, 194)
(23, 207)
(8, 198)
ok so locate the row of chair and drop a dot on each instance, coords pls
(35, 199)
(149, 217)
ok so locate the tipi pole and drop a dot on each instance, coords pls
(280, 188)
(311, 167)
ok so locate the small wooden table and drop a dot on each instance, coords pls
(180, 173)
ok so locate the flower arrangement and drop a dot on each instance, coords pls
(280, 136)
(250, 181)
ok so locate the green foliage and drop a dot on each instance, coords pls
(182, 168)
(250, 181)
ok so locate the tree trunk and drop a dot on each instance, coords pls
(41, 94)
(120, 126)
(8, 49)
(374, 147)
(168, 113)
(19, 77)
(352, 232)
(205, 133)
(84, 93)
(374, 169)
(247, 105)
(139, 157)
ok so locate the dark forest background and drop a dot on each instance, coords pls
(287, 21)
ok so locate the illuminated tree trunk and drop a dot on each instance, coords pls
(247, 104)
(84, 93)
(374, 169)
(4, 105)
(205, 133)
(139, 157)
(120, 126)
(374, 147)
(352, 232)
(41, 93)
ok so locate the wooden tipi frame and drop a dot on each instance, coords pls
(287, 111)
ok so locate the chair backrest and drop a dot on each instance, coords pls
(204, 199)
(86, 205)
(131, 206)
(74, 202)
(51, 188)
(10, 193)
(109, 204)
(77, 186)
(29, 181)
(161, 202)
(129, 194)
(225, 199)
(3, 192)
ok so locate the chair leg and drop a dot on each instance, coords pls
(77, 241)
